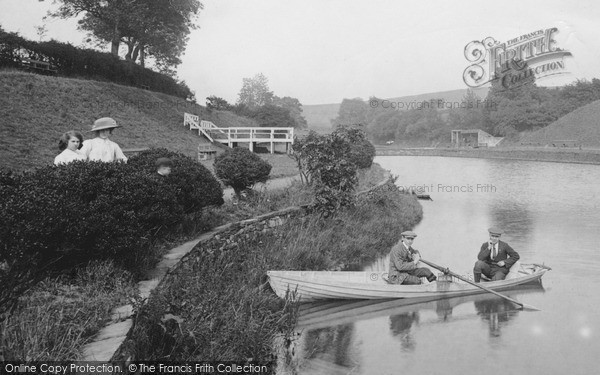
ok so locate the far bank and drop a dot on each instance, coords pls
(557, 155)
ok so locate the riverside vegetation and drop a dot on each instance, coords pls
(216, 305)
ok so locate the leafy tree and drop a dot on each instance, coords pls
(326, 160)
(272, 116)
(294, 108)
(217, 103)
(470, 114)
(153, 27)
(241, 169)
(515, 109)
(255, 92)
(362, 152)
(383, 127)
(351, 112)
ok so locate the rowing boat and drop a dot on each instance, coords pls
(322, 285)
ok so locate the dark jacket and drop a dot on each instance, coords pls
(401, 262)
(505, 253)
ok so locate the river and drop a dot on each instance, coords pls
(550, 214)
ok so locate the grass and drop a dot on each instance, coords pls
(58, 316)
(36, 110)
(217, 306)
(581, 125)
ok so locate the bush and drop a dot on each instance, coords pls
(84, 210)
(241, 169)
(57, 218)
(326, 162)
(362, 152)
(195, 186)
(71, 61)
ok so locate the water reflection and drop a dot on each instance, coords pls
(331, 344)
(497, 313)
(400, 326)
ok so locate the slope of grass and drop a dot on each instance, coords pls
(35, 110)
(581, 125)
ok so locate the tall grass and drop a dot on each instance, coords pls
(227, 310)
(55, 319)
(218, 306)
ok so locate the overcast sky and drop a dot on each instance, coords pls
(322, 51)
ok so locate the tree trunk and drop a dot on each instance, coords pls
(116, 40)
(142, 57)
(130, 50)
(136, 52)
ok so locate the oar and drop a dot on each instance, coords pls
(445, 270)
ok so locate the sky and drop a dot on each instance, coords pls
(322, 51)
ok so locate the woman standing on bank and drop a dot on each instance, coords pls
(101, 148)
(69, 144)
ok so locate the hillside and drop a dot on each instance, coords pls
(320, 115)
(581, 125)
(36, 110)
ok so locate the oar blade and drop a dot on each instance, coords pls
(529, 307)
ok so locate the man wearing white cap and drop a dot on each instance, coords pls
(101, 148)
(403, 263)
(495, 258)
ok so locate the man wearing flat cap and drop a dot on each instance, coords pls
(495, 258)
(403, 263)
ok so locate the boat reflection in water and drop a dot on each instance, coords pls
(497, 312)
(400, 326)
(329, 343)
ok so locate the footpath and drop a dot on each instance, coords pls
(110, 339)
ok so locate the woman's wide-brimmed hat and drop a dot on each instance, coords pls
(104, 123)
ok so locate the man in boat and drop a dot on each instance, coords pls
(403, 263)
(495, 258)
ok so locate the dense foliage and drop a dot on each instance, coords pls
(240, 168)
(257, 102)
(503, 112)
(194, 185)
(71, 61)
(53, 219)
(158, 29)
(329, 163)
(362, 152)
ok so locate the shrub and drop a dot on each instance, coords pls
(241, 169)
(326, 161)
(71, 61)
(195, 186)
(57, 218)
(362, 152)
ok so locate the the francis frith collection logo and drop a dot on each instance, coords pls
(516, 61)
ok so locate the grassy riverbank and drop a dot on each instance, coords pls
(55, 319)
(558, 155)
(218, 304)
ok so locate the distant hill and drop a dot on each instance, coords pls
(581, 125)
(320, 115)
(36, 110)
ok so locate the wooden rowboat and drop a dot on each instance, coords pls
(322, 285)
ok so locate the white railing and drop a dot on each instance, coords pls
(240, 134)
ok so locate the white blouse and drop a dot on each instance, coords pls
(68, 156)
(102, 150)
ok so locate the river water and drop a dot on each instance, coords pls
(550, 214)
